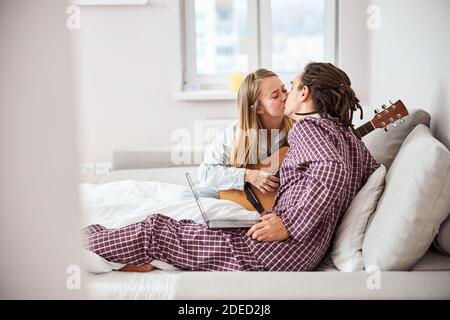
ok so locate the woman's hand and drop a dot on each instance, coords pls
(262, 180)
(270, 229)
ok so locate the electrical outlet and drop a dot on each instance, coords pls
(103, 167)
(86, 168)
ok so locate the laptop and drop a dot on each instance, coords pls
(219, 223)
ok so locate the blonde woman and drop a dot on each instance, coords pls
(260, 131)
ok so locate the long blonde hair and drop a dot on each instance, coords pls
(245, 148)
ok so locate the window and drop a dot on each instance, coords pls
(226, 36)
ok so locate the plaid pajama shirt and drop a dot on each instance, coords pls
(325, 167)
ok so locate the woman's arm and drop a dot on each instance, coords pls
(215, 171)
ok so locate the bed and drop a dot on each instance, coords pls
(144, 183)
(127, 196)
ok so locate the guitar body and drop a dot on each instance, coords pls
(267, 199)
(391, 115)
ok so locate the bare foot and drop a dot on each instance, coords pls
(133, 268)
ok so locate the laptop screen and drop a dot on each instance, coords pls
(197, 198)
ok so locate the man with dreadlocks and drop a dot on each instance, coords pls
(325, 167)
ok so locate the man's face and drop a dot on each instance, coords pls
(293, 101)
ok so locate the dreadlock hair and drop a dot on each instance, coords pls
(331, 92)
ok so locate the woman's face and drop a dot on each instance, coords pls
(272, 97)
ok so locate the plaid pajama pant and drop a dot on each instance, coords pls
(183, 244)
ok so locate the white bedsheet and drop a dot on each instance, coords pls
(118, 204)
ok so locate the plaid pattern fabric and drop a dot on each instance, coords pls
(325, 167)
(184, 244)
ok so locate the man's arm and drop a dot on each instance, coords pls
(323, 189)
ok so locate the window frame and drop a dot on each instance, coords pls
(259, 44)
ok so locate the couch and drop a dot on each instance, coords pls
(400, 249)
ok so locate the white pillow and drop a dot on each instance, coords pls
(347, 244)
(415, 201)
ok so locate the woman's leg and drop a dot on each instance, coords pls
(184, 244)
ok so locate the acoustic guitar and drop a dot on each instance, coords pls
(252, 198)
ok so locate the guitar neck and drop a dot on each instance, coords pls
(365, 129)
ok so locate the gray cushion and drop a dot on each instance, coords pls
(433, 260)
(384, 146)
(442, 241)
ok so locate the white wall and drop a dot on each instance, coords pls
(39, 218)
(129, 65)
(410, 58)
(353, 51)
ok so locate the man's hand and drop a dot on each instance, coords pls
(270, 229)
